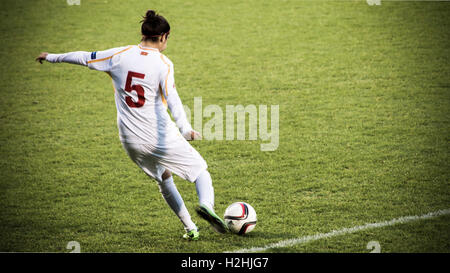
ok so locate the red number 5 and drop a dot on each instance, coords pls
(135, 87)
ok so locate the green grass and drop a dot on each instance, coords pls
(427, 236)
(364, 96)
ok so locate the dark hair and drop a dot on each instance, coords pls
(153, 26)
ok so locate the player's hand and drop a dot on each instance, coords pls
(192, 135)
(42, 57)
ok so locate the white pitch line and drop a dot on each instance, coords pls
(310, 238)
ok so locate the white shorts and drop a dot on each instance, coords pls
(181, 159)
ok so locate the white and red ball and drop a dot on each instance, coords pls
(240, 218)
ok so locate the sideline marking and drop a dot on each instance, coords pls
(310, 238)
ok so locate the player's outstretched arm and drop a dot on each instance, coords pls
(97, 60)
(77, 57)
(41, 57)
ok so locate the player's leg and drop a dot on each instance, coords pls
(205, 193)
(140, 155)
(205, 190)
(183, 160)
(173, 198)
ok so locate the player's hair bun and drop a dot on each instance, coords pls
(153, 25)
(150, 15)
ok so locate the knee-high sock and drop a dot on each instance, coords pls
(175, 201)
(205, 190)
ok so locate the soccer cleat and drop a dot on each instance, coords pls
(215, 221)
(192, 235)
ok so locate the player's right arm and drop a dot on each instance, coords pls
(167, 82)
(97, 60)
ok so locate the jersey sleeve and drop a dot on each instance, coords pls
(103, 60)
(167, 83)
(77, 57)
(97, 60)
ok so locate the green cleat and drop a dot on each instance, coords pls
(192, 235)
(215, 221)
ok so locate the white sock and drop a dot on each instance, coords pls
(175, 201)
(205, 190)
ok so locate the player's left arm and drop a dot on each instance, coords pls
(96, 60)
(175, 105)
(77, 57)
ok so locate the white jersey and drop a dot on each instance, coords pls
(144, 84)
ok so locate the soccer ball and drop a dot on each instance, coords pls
(240, 218)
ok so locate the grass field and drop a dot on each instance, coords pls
(364, 99)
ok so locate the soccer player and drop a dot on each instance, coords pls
(144, 84)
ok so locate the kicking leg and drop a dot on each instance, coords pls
(205, 192)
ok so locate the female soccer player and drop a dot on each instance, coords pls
(144, 86)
